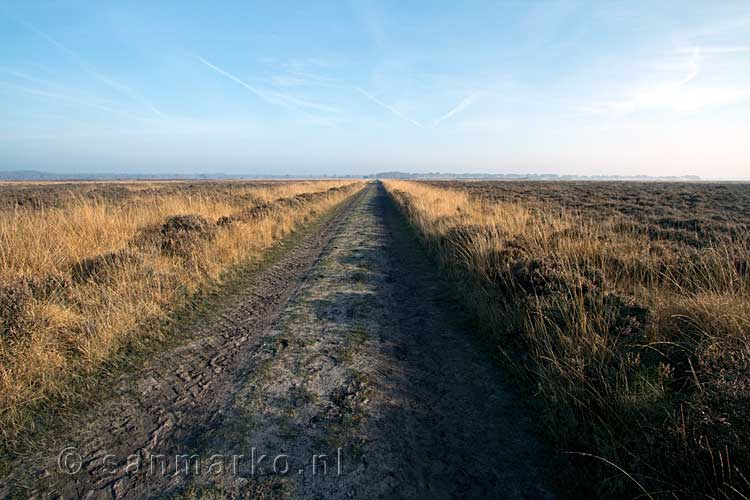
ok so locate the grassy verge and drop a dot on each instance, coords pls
(98, 314)
(638, 355)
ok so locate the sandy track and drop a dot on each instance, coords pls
(346, 371)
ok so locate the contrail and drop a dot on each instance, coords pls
(389, 108)
(89, 70)
(277, 98)
(287, 101)
(29, 78)
(237, 80)
(69, 99)
(334, 83)
(465, 103)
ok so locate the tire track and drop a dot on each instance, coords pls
(174, 398)
(346, 371)
(375, 370)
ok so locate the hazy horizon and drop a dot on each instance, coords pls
(357, 87)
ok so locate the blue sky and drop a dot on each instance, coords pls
(637, 87)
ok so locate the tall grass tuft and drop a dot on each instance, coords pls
(78, 277)
(638, 353)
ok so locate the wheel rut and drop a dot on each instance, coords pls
(348, 372)
(115, 449)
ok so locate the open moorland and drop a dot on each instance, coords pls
(576, 340)
(84, 266)
(625, 307)
(341, 367)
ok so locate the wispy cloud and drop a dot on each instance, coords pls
(87, 68)
(24, 76)
(286, 81)
(737, 49)
(681, 94)
(693, 68)
(388, 107)
(304, 103)
(53, 88)
(70, 99)
(300, 77)
(306, 78)
(285, 100)
(465, 103)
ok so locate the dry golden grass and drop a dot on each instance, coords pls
(638, 350)
(78, 278)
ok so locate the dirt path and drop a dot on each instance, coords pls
(346, 372)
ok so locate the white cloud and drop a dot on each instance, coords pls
(465, 103)
(683, 94)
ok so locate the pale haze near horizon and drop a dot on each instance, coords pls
(300, 88)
